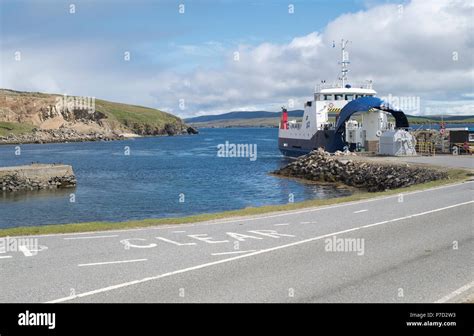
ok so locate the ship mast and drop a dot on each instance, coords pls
(344, 62)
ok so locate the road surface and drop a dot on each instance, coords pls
(442, 160)
(413, 247)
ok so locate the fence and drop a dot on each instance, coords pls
(425, 148)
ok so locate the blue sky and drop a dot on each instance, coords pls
(189, 56)
(230, 20)
(153, 29)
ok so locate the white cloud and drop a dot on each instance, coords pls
(423, 48)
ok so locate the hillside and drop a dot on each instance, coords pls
(271, 119)
(41, 117)
(239, 115)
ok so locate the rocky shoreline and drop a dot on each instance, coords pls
(321, 166)
(63, 135)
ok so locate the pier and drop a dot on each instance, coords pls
(36, 177)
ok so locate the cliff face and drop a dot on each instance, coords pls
(39, 117)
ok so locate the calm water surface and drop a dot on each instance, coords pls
(148, 182)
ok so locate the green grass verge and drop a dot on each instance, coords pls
(7, 128)
(455, 175)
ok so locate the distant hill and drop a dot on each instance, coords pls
(242, 115)
(445, 118)
(271, 119)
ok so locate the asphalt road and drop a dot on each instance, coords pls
(414, 248)
(442, 160)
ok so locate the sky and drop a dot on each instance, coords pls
(194, 58)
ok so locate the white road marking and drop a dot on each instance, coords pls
(174, 242)
(5, 257)
(270, 233)
(282, 224)
(31, 252)
(308, 222)
(128, 245)
(112, 262)
(91, 237)
(222, 261)
(359, 211)
(39, 249)
(233, 252)
(205, 238)
(25, 251)
(455, 293)
(178, 231)
(286, 213)
(241, 236)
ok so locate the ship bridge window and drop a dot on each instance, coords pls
(349, 97)
(359, 96)
(328, 97)
(339, 97)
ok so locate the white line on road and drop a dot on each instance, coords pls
(112, 262)
(5, 257)
(307, 222)
(456, 293)
(91, 237)
(282, 224)
(178, 231)
(25, 250)
(233, 252)
(359, 211)
(222, 261)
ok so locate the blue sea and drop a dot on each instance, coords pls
(161, 177)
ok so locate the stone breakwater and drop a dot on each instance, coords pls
(36, 177)
(356, 172)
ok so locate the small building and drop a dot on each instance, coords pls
(461, 137)
(461, 134)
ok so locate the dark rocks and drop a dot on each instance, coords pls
(69, 134)
(171, 129)
(192, 130)
(14, 182)
(59, 135)
(321, 166)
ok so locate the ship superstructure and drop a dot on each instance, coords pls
(314, 130)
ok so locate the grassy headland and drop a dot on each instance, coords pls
(32, 116)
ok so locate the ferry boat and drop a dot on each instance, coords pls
(314, 130)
